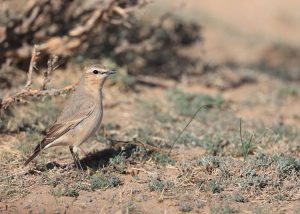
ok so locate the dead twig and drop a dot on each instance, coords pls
(51, 67)
(34, 56)
(27, 92)
(153, 81)
(24, 95)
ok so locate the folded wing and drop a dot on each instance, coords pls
(72, 115)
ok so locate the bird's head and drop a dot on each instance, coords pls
(95, 75)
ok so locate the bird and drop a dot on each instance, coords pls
(81, 116)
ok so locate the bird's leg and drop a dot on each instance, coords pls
(75, 158)
(82, 150)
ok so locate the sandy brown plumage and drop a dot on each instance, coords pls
(82, 113)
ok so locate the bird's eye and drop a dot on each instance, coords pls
(95, 71)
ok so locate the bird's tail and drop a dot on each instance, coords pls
(36, 151)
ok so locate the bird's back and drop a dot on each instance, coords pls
(78, 104)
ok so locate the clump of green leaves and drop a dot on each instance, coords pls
(162, 158)
(102, 182)
(213, 144)
(209, 161)
(286, 164)
(223, 208)
(156, 184)
(118, 162)
(185, 207)
(67, 191)
(253, 180)
(262, 160)
(214, 186)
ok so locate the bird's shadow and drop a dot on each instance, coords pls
(99, 159)
(95, 160)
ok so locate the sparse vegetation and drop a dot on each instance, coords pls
(70, 192)
(238, 154)
(214, 186)
(187, 104)
(156, 184)
(162, 159)
(223, 209)
(185, 207)
(102, 182)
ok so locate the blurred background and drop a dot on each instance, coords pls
(221, 46)
(240, 59)
(257, 34)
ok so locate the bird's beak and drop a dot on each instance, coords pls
(111, 72)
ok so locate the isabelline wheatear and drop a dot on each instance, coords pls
(81, 116)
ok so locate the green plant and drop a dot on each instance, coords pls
(67, 191)
(257, 181)
(162, 158)
(118, 162)
(262, 160)
(209, 161)
(185, 207)
(213, 144)
(223, 208)
(101, 182)
(246, 145)
(156, 184)
(286, 164)
(214, 186)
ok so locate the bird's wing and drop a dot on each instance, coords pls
(73, 114)
(70, 117)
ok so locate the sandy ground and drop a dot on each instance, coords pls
(234, 31)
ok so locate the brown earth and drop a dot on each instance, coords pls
(234, 31)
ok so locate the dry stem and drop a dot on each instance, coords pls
(28, 92)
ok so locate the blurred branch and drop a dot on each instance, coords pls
(51, 67)
(153, 81)
(101, 29)
(34, 56)
(61, 26)
(23, 96)
(28, 92)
